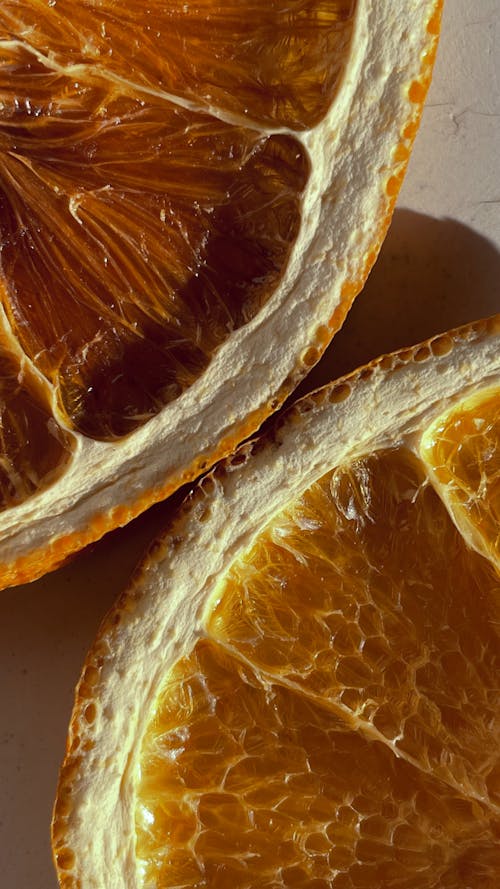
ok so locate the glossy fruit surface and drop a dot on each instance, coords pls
(191, 195)
(299, 688)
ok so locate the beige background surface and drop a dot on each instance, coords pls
(439, 266)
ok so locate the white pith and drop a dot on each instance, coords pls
(344, 200)
(162, 613)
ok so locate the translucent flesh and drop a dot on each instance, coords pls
(137, 234)
(136, 237)
(339, 725)
(33, 448)
(463, 450)
(276, 62)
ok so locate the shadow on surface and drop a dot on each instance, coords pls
(45, 632)
(431, 275)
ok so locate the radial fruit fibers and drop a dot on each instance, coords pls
(191, 195)
(300, 687)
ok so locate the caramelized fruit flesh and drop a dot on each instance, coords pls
(278, 63)
(338, 727)
(136, 238)
(138, 233)
(33, 448)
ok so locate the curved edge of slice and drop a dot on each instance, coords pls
(41, 534)
(158, 619)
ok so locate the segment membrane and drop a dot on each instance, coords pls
(364, 594)
(138, 234)
(33, 449)
(249, 785)
(136, 237)
(462, 451)
(279, 63)
(338, 727)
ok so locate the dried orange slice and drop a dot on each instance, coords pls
(300, 688)
(191, 195)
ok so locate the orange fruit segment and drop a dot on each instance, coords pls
(250, 783)
(137, 237)
(277, 63)
(191, 195)
(339, 599)
(34, 449)
(300, 687)
(136, 242)
(463, 450)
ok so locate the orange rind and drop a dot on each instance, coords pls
(191, 198)
(299, 687)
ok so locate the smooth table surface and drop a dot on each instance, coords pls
(440, 266)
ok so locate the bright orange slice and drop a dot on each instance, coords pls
(191, 195)
(300, 689)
